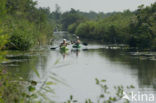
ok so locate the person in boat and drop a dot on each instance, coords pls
(64, 43)
(77, 43)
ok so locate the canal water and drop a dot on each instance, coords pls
(76, 71)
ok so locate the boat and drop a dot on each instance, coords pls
(63, 49)
(76, 46)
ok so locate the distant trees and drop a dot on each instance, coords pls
(137, 29)
(143, 34)
(23, 25)
(2, 7)
(70, 17)
(112, 29)
(69, 20)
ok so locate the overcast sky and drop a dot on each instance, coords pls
(94, 5)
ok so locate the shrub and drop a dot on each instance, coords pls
(3, 38)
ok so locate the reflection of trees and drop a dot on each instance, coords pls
(23, 64)
(146, 72)
(146, 68)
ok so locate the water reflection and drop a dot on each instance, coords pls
(146, 69)
(79, 68)
(77, 52)
(64, 53)
(23, 63)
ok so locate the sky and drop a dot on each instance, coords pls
(94, 5)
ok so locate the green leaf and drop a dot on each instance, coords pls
(131, 86)
(71, 97)
(102, 96)
(50, 83)
(31, 88)
(97, 81)
(103, 80)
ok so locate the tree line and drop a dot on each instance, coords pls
(137, 28)
(22, 25)
(134, 28)
(74, 17)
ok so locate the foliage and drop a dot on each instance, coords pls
(4, 39)
(137, 29)
(70, 17)
(10, 90)
(2, 56)
(142, 28)
(69, 20)
(2, 7)
(106, 96)
(18, 90)
(21, 36)
(110, 30)
(24, 24)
